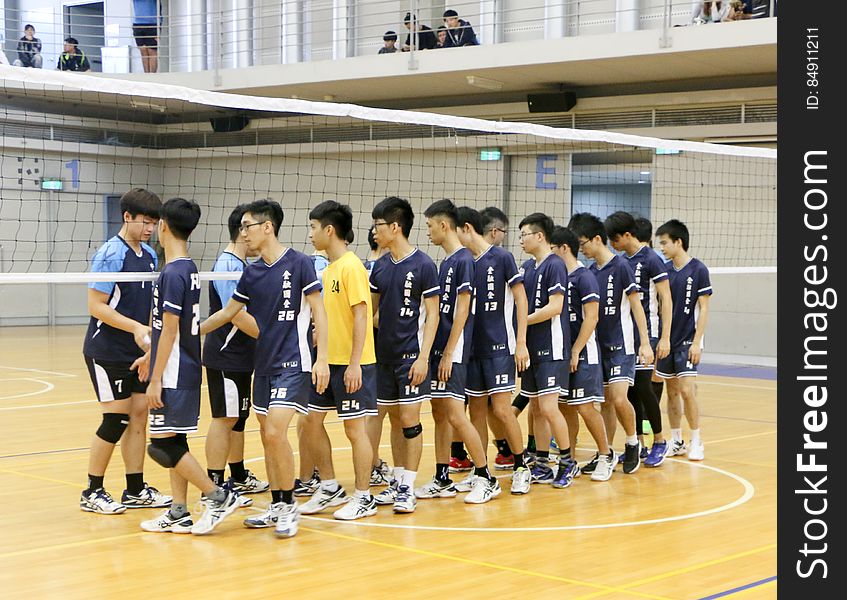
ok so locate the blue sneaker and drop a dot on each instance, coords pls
(566, 474)
(657, 454)
(542, 473)
(644, 452)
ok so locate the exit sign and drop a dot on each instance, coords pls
(51, 184)
(490, 154)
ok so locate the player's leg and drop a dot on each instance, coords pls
(409, 418)
(177, 518)
(441, 486)
(540, 467)
(688, 392)
(484, 486)
(571, 415)
(616, 395)
(137, 493)
(309, 476)
(638, 408)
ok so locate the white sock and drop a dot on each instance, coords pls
(695, 437)
(329, 485)
(676, 435)
(409, 479)
(362, 494)
(631, 440)
(398, 474)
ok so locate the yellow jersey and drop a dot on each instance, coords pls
(345, 284)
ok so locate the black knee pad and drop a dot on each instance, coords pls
(520, 402)
(411, 433)
(240, 424)
(167, 451)
(113, 427)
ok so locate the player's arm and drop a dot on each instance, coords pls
(463, 311)
(375, 308)
(549, 311)
(420, 368)
(353, 372)
(522, 306)
(246, 323)
(98, 307)
(645, 352)
(170, 327)
(702, 319)
(663, 291)
(227, 314)
(590, 318)
(320, 370)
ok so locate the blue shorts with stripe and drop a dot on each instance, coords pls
(493, 375)
(452, 388)
(676, 364)
(289, 389)
(586, 384)
(180, 413)
(393, 386)
(545, 378)
(361, 403)
(617, 365)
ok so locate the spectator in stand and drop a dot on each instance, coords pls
(29, 49)
(424, 37)
(145, 30)
(459, 31)
(711, 11)
(441, 36)
(3, 59)
(736, 11)
(389, 39)
(73, 59)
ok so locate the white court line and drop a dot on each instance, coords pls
(738, 385)
(47, 387)
(38, 371)
(48, 405)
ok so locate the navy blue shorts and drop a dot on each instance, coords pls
(586, 384)
(654, 342)
(113, 381)
(393, 386)
(289, 389)
(676, 364)
(488, 376)
(229, 393)
(617, 365)
(544, 378)
(180, 413)
(452, 388)
(361, 403)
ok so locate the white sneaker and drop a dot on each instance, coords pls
(99, 501)
(406, 501)
(286, 520)
(164, 523)
(215, 513)
(521, 479)
(148, 497)
(388, 495)
(466, 484)
(696, 451)
(677, 448)
(323, 499)
(605, 467)
(240, 501)
(266, 519)
(436, 489)
(483, 491)
(250, 485)
(356, 508)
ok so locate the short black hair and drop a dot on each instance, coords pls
(450, 13)
(675, 230)
(539, 222)
(72, 40)
(442, 208)
(181, 215)
(491, 216)
(619, 223)
(410, 17)
(562, 236)
(395, 210)
(330, 212)
(371, 241)
(588, 226)
(390, 36)
(643, 230)
(139, 201)
(467, 215)
(29, 26)
(234, 222)
(266, 210)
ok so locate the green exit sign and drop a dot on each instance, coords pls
(490, 154)
(51, 184)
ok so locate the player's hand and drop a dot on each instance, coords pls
(521, 357)
(141, 334)
(419, 371)
(574, 361)
(694, 354)
(645, 353)
(320, 375)
(663, 349)
(142, 364)
(154, 394)
(445, 367)
(352, 378)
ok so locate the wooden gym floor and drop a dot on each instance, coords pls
(683, 531)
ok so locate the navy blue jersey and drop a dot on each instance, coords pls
(276, 297)
(177, 291)
(548, 340)
(687, 285)
(495, 322)
(615, 281)
(369, 265)
(402, 286)
(582, 289)
(131, 299)
(455, 276)
(648, 270)
(227, 348)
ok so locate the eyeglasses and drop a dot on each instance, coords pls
(377, 224)
(582, 244)
(528, 233)
(244, 228)
(503, 231)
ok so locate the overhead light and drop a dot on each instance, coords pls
(148, 105)
(645, 172)
(484, 83)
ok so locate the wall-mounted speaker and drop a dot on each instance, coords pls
(555, 102)
(229, 124)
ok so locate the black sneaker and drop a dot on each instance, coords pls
(632, 458)
(591, 464)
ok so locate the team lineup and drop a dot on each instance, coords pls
(309, 335)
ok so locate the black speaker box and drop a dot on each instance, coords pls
(555, 102)
(229, 124)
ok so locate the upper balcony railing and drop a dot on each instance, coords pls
(200, 35)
